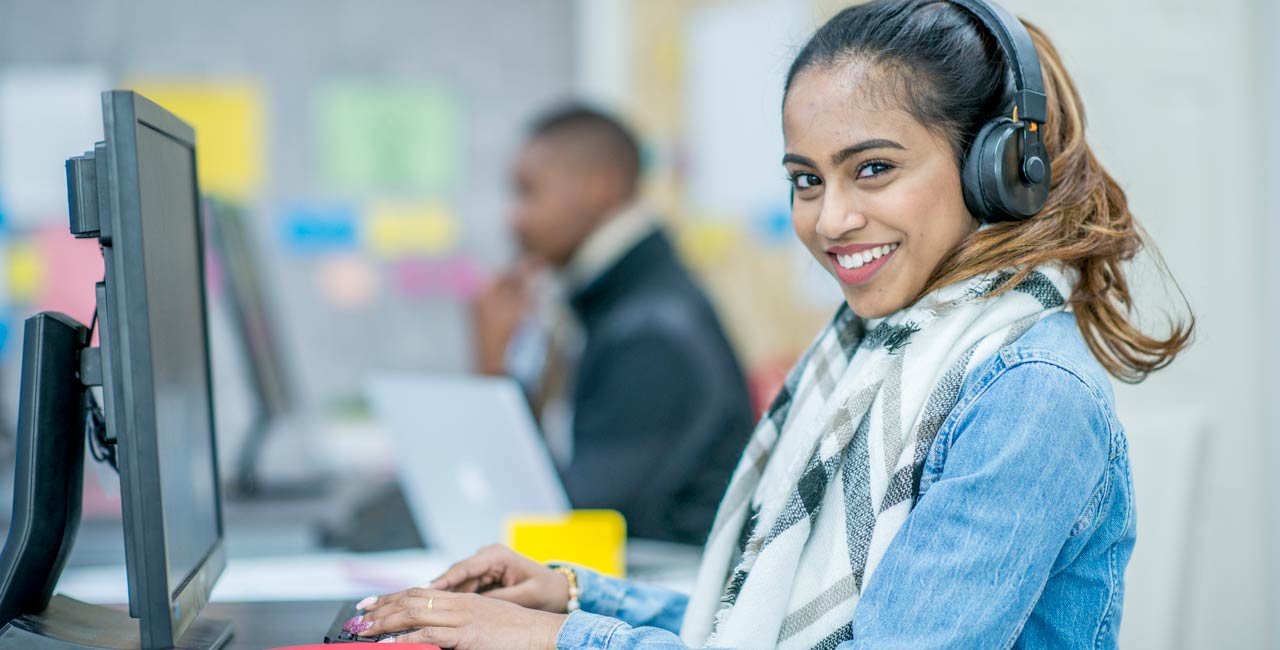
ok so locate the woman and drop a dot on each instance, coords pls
(944, 467)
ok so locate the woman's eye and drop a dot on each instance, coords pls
(873, 168)
(804, 181)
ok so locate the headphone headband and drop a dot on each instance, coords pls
(1019, 50)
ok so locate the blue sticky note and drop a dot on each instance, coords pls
(4, 332)
(774, 224)
(320, 228)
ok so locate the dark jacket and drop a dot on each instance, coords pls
(661, 409)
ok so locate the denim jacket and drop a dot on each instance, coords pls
(1019, 538)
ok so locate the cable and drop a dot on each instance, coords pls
(95, 430)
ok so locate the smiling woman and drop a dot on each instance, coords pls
(865, 178)
(944, 467)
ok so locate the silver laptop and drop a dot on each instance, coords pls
(468, 455)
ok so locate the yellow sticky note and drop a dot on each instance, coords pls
(26, 272)
(228, 117)
(401, 229)
(596, 539)
(707, 242)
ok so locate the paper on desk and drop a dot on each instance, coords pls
(47, 114)
(319, 576)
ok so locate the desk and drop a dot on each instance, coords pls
(261, 625)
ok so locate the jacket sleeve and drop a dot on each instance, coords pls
(623, 615)
(1024, 457)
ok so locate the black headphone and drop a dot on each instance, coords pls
(1006, 174)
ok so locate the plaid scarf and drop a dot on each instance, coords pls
(868, 397)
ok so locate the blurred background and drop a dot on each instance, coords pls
(365, 149)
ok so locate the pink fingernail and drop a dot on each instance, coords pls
(356, 625)
(367, 603)
(389, 639)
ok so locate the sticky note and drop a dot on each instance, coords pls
(596, 539)
(377, 137)
(395, 230)
(229, 118)
(457, 278)
(4, 331)
(319, 228)
(47, 114)
(347, 282)
(71, 269)
(774, 224)
(25, 271)
(707, 242)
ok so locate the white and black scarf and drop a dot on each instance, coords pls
(868, 398)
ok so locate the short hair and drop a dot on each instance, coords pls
(602, 136)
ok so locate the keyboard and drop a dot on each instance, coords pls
(338, 635)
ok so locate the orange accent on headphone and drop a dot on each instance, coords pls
(1032, 127)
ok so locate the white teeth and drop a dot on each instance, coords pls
(856, 260)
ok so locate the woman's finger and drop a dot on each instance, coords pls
(524, 594)
(469, 569)
(445, 637)
(373, 602)
(435, 610)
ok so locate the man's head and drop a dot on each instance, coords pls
(577, 167)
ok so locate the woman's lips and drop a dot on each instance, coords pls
(855, 264)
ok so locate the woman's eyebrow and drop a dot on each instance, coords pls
(798, 159)
(866, 145)
(846, 153)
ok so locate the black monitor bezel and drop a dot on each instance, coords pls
(165, 610)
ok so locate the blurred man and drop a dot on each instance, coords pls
(655, 409)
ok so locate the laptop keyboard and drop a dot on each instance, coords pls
(338, 635)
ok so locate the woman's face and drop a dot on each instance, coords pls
(877, 195)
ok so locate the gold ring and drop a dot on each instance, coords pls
(430, 602)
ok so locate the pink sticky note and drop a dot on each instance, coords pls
(455, 278)
(71, 269)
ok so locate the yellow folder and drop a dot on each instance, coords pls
(596, 539)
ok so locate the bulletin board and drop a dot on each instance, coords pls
(368, 144)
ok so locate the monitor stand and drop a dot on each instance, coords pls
(68, 624)
(49, 475)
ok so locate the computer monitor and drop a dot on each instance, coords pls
(138, 194)
(231, 243)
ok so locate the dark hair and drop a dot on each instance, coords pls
(609, 140)
(939, 65)
(937, 62)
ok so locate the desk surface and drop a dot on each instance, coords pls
(261, 625)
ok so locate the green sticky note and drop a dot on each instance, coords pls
(378, 137)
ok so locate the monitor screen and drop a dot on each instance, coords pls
(184, 436)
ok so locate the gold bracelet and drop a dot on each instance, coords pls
(572, 576)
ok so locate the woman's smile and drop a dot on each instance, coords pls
(856, 263)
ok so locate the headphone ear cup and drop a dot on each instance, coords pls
(979, 167)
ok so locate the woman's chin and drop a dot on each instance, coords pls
(871, 303)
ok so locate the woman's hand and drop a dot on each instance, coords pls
(462, 621)
(501, 573)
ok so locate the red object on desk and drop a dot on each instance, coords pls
(329, 646)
